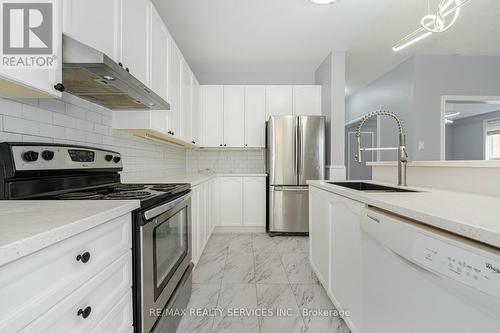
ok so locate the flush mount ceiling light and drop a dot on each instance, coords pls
(441, 21)
(322, 2)
(451, 114)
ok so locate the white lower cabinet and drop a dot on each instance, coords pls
(47, 289)
(231, 201)
(201, 219)
(335, 249)
(254, 201)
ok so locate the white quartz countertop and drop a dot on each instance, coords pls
(27, 226)
(193, 179)
(472, 216)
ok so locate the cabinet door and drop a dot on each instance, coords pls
(186, 124)
(255, 116)
(307, 100)
(102, 32)
(159, 55)
(212, 115)
(134, 38)
(345, 235)
(319, 234)
(234, 108)
(195, 223)
(279, 100)
(195, 111)
(254, 201)
(174, 90)
(230, 201)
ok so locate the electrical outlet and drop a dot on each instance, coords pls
(421, 145)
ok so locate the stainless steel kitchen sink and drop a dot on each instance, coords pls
(369, 187)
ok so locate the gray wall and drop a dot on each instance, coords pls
(414, 89)
(438, 75)
(394, 90)
(465, 137)
(323, 77)
(255, 78)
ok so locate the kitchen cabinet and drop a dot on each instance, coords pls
(279, 100)
(196, 111)
(307, 100)
(159, 55)
(135, 38)
(186, 131)
(231, 201)
(213, 115)
(202, 198)
(103, 32)
(255, 116)
(174, 90)
(234, 110)
(334, 223)
(48, 298)
(254, 203)
(319, 234)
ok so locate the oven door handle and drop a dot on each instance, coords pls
(156, 211)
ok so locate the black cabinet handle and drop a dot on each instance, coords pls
(246, 145)
(193, 142)
(220, 145)
(85, 312)
(59, 87)
(128, 70)
(120, 64)
(84, 257)
(224, 145)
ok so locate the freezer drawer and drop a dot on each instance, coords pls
(289, 209)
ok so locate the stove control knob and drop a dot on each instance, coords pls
(47, 155)
(30, 156)
(116, 159)
(108, 158)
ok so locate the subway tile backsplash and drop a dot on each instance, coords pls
(75, 121)
(226, 161)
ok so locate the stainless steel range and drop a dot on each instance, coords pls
(161, 226)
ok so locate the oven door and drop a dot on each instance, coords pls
(165, 255)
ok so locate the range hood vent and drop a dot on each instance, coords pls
(92, 75)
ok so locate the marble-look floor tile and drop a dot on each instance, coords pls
(311, 296)
(282, 325)
(239, 268)
(237, 325)
(343, 328)
(241, 243)
(322, 324)
(217, 243)
(234, 296)
(298, 269)
(277, 297)
(210, 268)
(268, 268)
(287, 245)
(262, 243)
(204, 296)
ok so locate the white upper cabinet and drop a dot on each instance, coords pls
(307, 100)
(196, 111)
(159, 55)
(254, 203)
(95, 23)
(279, 100)
(234, 110)
(174, 91)
(212, 106)
(134, 37)
(255, 116)
(186, 102)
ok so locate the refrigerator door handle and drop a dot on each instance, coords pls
(296, 152)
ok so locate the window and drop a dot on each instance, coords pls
(493, 139)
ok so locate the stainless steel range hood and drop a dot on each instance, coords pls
(92, 75)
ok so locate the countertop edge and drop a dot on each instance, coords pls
(29, 245)
(476, 233)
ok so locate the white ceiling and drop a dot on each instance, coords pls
(476, 33)
(230, 36)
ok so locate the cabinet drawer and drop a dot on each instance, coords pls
(119, 319)
(99, 294)
(35, 283)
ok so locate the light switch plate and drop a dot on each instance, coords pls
(421, 145)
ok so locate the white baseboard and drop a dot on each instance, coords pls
(239, 229)
(336, 172)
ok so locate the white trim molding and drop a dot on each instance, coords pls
(336, 172)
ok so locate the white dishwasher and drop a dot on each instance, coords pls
(419, 279)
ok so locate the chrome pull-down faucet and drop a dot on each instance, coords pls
(402, 153)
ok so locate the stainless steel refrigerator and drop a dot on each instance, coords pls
(295, 154)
